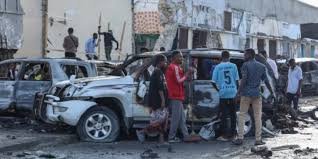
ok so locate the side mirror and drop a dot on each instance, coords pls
(72, 78)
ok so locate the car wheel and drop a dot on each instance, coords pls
(249, 126)
(98, 124)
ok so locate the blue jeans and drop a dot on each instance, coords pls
(293, 98)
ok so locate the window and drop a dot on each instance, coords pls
(260, 44)
(248, 43)
(9, 71)
(199, 39)
(78, 71)
(12, 5)
(286, 49)
(36, 72)
(302, 50)
(312, 51)
(227, 21)
(2, 5)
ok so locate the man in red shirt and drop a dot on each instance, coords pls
(175, 79)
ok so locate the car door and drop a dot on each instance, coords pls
(35, 77)
(205, 99)
(8, 83)
(140, 91)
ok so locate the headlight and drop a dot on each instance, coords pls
(59, 109)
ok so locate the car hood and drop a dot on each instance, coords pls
(99, 81)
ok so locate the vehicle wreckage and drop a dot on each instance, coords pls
(102, 107)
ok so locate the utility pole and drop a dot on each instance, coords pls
(44, 26)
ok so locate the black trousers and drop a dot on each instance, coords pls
(293, 98)
(91, 57)
(228, 116)
(70, 55)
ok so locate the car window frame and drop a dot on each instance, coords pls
(62, 64)
(18, 74)
(22, 71)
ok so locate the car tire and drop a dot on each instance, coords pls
(98, 124)
(249, 127)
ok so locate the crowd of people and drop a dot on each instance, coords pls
(166, 94)
(166, 91)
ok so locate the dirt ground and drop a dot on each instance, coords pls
(18, 140)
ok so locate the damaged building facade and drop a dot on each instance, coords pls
(11, 28)
(230, 24)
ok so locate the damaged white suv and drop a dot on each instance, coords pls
(102, 107)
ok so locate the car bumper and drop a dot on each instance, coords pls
(68, 112)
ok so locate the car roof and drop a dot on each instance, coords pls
(305, 59)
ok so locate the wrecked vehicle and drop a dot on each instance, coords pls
(101, 107)
(309, 67)
(21, 79)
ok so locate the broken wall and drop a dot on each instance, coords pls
(11, 24)
(291, 11)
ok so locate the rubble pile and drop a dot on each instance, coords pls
(305, 152)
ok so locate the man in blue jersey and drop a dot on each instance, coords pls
(225, 80)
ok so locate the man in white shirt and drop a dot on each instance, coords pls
(271, 62)
(295, 77)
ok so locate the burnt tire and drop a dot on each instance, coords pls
(98, 124)
(249, 126)
(314, 114)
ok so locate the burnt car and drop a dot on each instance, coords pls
(102, 107)
(309, 67)
(21, 79)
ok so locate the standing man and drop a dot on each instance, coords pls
(272, 63)
(90, 46)
(108, 42)
(70, 44)
(253, 73)
(295, 77)
(175, 80)
(225, 80)
(157, 100)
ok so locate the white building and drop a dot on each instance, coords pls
(218, 23)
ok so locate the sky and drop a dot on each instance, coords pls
(311, 2)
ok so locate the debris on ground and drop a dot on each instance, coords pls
(149, 154)
(40, 154)
(285, 147)
(289, 131)
(262, 151)
(305, 152)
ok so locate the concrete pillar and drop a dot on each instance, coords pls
(190, 38)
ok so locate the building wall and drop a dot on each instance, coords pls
(32, 29)
(291, 11)
(83, 16)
